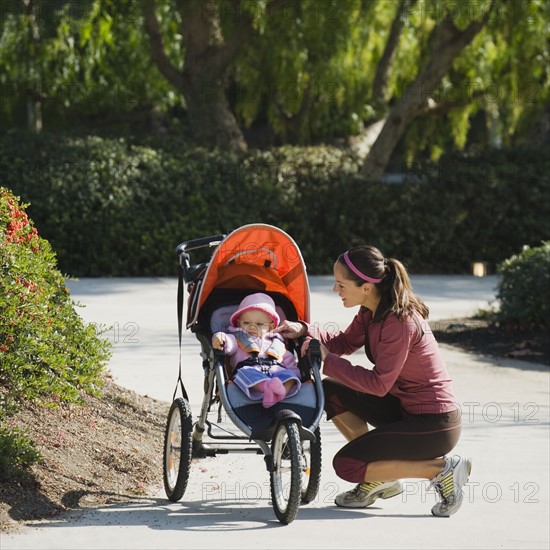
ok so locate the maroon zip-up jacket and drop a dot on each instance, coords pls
(406, 358)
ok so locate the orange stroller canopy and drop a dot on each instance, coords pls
(258, 257)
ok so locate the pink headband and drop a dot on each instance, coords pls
(357, 272)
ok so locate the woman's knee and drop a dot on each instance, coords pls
(349, 469)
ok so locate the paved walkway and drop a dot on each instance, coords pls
(505, 408)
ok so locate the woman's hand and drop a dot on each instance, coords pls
(218, 340)
(305, 346)
(291, 329)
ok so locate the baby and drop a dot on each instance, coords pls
(263, 368)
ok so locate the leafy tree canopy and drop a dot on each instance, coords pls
(305, 71)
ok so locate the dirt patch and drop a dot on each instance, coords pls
(107, 451)
(488, 338)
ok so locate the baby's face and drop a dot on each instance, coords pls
(256, 323)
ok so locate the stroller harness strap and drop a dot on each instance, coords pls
(180, 329)
(275, 351)
(265, 363)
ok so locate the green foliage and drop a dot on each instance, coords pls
(304, 75)
(17, 453)
(524, 289)
(81, 60)
(503, 75)
(474, 207)
(47, 353)
(113, 207)
(299, 72)
(311, 71)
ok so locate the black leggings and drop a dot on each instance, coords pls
(398, 435)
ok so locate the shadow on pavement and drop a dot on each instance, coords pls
(214, 515)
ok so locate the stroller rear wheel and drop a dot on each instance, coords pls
(286, 475)
(311, 467)
(178, 448)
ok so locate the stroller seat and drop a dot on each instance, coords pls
(262, 420)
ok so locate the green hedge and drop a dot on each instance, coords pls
(114, 207)
(524, 287)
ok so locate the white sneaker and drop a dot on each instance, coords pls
(449, 483)
(364, 494)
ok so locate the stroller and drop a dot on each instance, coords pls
(253, 258)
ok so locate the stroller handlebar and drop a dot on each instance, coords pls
(314, 350)
(200, 243)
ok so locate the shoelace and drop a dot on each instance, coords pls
(438, 486)
(353, 492)
(365, 487)
(448, 499)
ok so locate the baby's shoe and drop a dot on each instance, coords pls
(274, 391)
(278, 388)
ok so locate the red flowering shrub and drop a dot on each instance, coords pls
(47, 353)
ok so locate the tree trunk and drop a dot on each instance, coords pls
(34, 113)
(448, 42)
(203, 80)
(207, 57)
(212, 121)
(33, 92)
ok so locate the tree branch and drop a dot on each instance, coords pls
(202, 30)
(244, 29)
(158, 53)
(448, 42)
(379, 88)
(241, 33)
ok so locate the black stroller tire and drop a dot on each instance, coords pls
(311, 468)
(178, 447)
(287, 472)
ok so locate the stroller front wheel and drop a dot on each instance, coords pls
(178, 448)
(287, 472)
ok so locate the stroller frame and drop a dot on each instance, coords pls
(291, 449)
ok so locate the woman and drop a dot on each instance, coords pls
(407, 396)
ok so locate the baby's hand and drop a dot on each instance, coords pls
(218, 340)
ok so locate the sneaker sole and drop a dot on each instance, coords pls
(391, 492)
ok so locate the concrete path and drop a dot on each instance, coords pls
(505, 408)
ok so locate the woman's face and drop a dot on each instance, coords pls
(351, 294)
